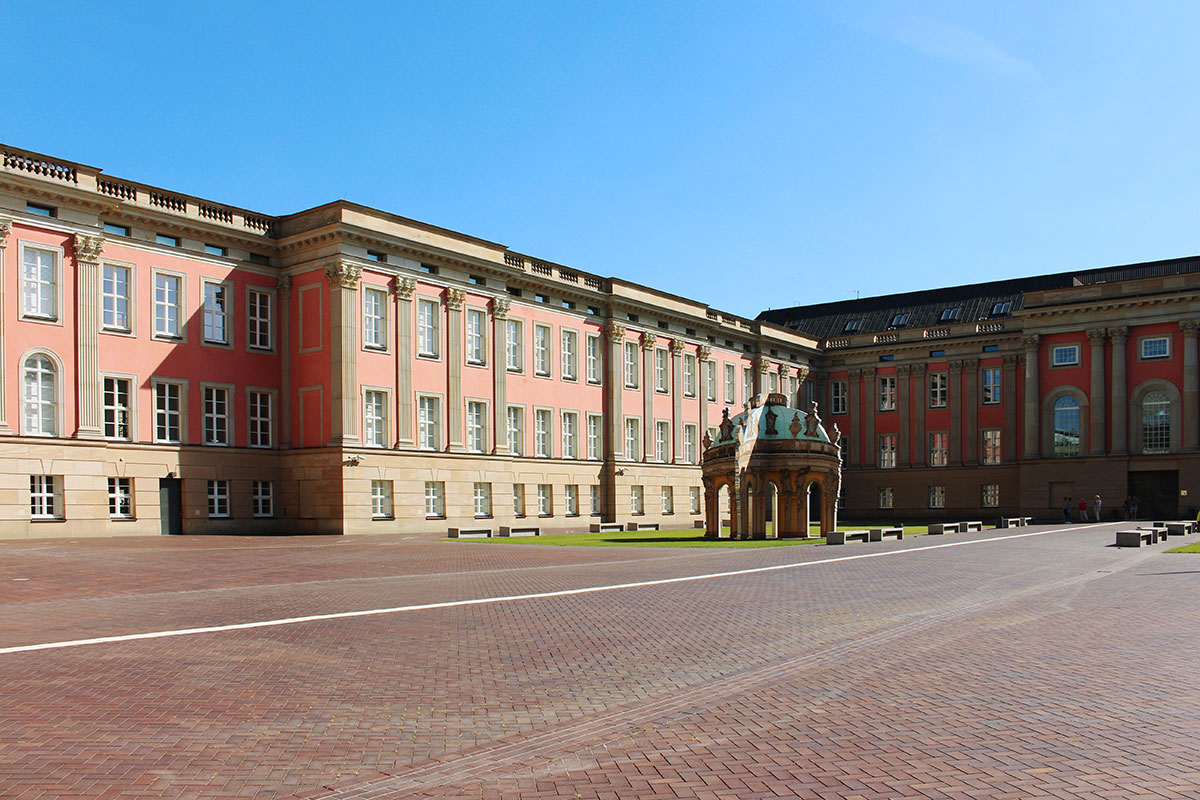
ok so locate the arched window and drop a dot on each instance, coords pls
(1066, 427)
(1156, 422)
(41, 396)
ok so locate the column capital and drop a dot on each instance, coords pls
(88, 248)
(971, 363)
(919, 369)
(869, 373)
(648, 339)
(500, 307)
(854, 373)
(956, 365)
(1030, 341)
(455, 298)
(677, 347)
(903, 369)
(802, 374)
(1010, 362)
(284, 285)
(5, 229)
(763, 364)
(615, 331)
(1119, 334)
(1190, 327)
(704, 352)
(403, 288)
(1096, 336)
(784, 370)
(342, 275)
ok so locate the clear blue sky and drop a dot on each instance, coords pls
(748, 155)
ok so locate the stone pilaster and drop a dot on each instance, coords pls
(1120, 444)
(87, 326)
(920, 403)
(703, 354)
(454, 365)
(647, 341)
(956, 407)
(1191, 386)
(343, 345)
(402, 293)
(971, 443)
(871, 408)
(802, 390)
(677, 398)
(500, 307)
(5, 229)
(1096, 393)
(1010, 409)
(285, 361)
(903, 409)
(614, 386)
(762, 365)
(855, 412)
(1032, 421)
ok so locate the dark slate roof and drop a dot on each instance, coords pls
(975, 301)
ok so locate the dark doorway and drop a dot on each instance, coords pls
(1157, 493)
(170, 505)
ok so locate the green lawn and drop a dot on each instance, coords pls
(688, 537)
(1187, 548)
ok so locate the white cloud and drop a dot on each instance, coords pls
(964, 46)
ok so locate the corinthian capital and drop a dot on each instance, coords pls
(5, 229)
(1031, 341)
(403, 288)
(1096, 336)
(648, 339)
(88, 248)
(677, 347)
(284, 284)
(455, 298)
(801, 374)
(343, 275)
(1119, 335)
(703, 352)
(500, 307)
(1189, 326)
(763, 364)
(784, 371)
(615, 332)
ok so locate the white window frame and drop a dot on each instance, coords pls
(747, 384)
(1165, 339)
(637, 500)
(595, 437)
(668, 499)
(227, 417)
(164, 308)
(518, 497)
(40, 403)
(542, 349)
(939, 456)
(515, 432)
(262, 499)
(992, 443)
(937, 496)
(218, 499)
(435, 500)
(209, 317)
(694, 500)
(662, 370)
(887, 392)
(992, 383)
(179, 415)
(633, 438)
(120, 498)
(569, 425)
(632, 365)
(595, 358)
(260, 323)
(475, 320)
(514, 346)
(939, 390)
(887, 451)
(885, 497)
(838, 397)
(481, 495)
(45, 497)
(545, 496)
(116, 308)
(689, 375)
(260, 430)
(989, 495)
(596, 500)
(429, 325)
(543, 432)
(1064, 355)
(569, 354)
(42, 312)
(429, 422)
(730, 383)
(374, 319)
(113, 410)
(381, 499)
(376, 401)
(571, 500)
(690, 432)
(662, 441)
(710, 381)
(476, 419)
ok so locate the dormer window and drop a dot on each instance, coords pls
(853, 326)
(950, 314)
(1002, 309)
(899, 320)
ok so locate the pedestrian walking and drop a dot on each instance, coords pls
(1083, 511)
(1066, 509)
(1133, 507)
(1125, 507)
(1096, 507)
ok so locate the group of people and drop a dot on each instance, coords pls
(1129, 508)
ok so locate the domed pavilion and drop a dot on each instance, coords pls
(767, 468)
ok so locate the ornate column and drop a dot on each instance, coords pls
(87, 326)
(703, 353)
(802, 390)
(970, 452)
(402, 293)
(500, 307)
(454, 364)
(1120, 444)
(956, 406)
(343, 343)
(870, 408)
(647, 341)
(762, 365)
(284, 285)
(903, 457)
(677, 398)
(919, 404)
(854, 381)
(1010, 409)
(1033, 399)
(614, 385)
(1096, 393)
(1191, 388)
(5, 229)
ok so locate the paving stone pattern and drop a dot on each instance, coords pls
(1050, 666)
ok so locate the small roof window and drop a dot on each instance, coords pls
(853, 325)
(950, 314)
(1002, 309)
(899, 320)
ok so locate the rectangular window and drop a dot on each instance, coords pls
(937, 496)
(44, 499)
(710, 381)
(773, 382)
(542, 424)
(516, 430)
(476, 336)
(570, 434)
(991, 495)
(662, 441)
(167, 304)
(1064, 355)
(570, 356)
(262, 498)
(939, 390)
(514, 346)
(689, 444)
(939, 449)
(216, 313)
(885, 497)
(168, 413)
(218, 499)
(887, 451)
(661, 370)
(596, 501)
(374, 313)
(1156, 347)
(541, 350)
(482, 494)
(258, 327)
(381, 499)
(694, 499)
(887, 393)
(114, 296)
(571, 500)
(427, 328)
(115, 229)
(668, 500)
(729, 383)
(747, 385)
(595, 436)
(518, 499)
(633, 436)
(435, 499)
(476, 426)
(216, 416)
(39, 283)
(991, 386)
(689, 375)
(595, 359)
(118, 415)
(545, 500)
(169, 241)
(837, 397)
(631, 365)
(635, 500)
(429, 419)
(215, 250)
(120, 498)
(40, 210)
(260, 419)
(991, 446)
(374, 418)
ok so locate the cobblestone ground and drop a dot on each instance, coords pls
(1003, 666)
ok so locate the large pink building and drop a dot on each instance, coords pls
(172, 364)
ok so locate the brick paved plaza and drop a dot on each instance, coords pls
(1002, 666)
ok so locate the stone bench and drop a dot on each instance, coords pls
(1135, 538)
(878, 534)
(641, 526)
(840, 537)
(1159, 531)
(973, 525)
(938, 528)
(469, 533)
(606, 527)
(506, 530)
(1180, 528)
(1013, 522)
